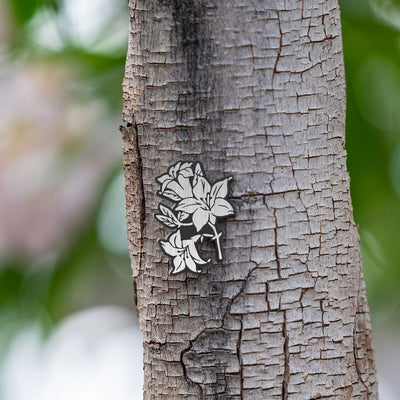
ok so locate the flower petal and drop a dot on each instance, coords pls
(198, 170)
(162, 178)
(166, 183)
(222, 208)
(179, 264)
(172, 171)
(200, 218)
(195, 255)
(201, 188)
(189, 205)
(186, 170)
(176, 240)
(220, 189)
(186, 187)
(175, 187)
(189, 262)
(169, 248)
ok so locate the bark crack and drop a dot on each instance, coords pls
(278, 262)
(321, 308)
(286, 369)
(280, 46)
(239, 340)
(142, 200)
(240, 357)
(130, 133)
(185, 375)
(266, 296)
(130, 136)
(232, 300)
(355, 350)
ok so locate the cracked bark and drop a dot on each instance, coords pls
(255, 89)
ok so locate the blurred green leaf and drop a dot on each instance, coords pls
(377, 88)
(388, 11)
(25, 9)
(83, 275)
(111, 224)
(10, 282)
(372, 60)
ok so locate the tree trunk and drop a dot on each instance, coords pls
(254, 89)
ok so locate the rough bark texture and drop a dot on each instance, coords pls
(254, 89)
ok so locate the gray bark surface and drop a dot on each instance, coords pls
(254, 89)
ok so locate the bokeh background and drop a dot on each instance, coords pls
(67, 324)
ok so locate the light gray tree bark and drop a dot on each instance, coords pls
(254, 89)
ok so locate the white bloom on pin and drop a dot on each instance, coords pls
(194, 216)
(175, 184)
(183, 252)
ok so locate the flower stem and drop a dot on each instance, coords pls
(216, 238)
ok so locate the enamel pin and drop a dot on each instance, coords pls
(193, 217)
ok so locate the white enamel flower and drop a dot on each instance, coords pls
(175, 184)
(198, 207)
(182, 252)
(208, 204)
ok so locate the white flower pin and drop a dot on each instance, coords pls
(194, 215)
